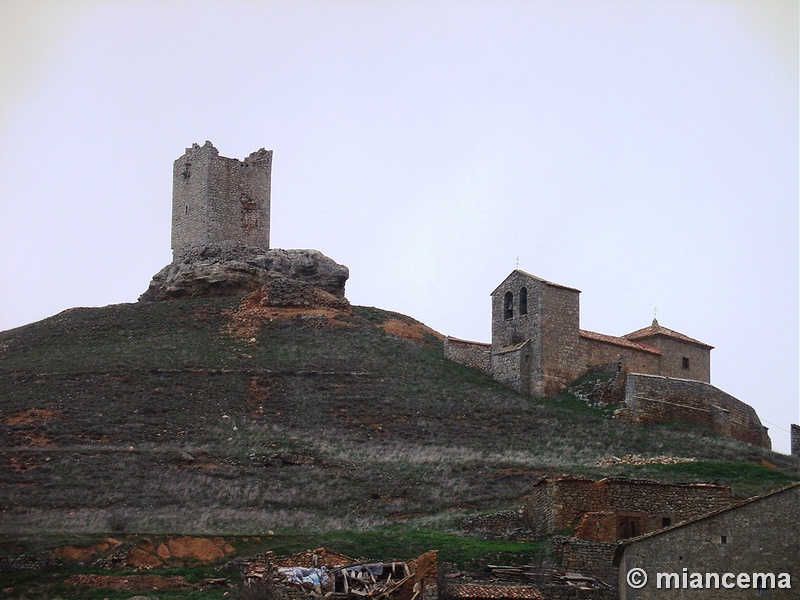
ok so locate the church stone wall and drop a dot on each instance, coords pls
(546, 315)
(636, 361)
(676, 354)
(563, 354)
(515, 321)
(471, 354)
(514, 324)
(510, 367)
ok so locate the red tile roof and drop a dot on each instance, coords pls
(307, 559)
(618, 341)
(655, 330)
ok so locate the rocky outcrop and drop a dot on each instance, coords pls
(232, 269)
(294, 293)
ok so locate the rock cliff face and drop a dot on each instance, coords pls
(232, 268)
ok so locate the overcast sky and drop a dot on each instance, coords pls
(644, 152)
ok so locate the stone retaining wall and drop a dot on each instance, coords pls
(507, 525)
(655, 399)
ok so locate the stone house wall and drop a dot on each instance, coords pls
(217, 199)
(540, 511)
(471, 354)
(795, 440)
(598, 525)
(507, 525)
(588, 558)
(556, 504)
(656, 399)
(758, 536)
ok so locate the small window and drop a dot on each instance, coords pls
(685, 362)
(508, 305)
(523, 301)
(666, 521)
(187, 209)
(723, 539)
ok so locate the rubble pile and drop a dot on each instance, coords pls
(638, 459)
(322, 573)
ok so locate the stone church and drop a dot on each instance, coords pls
(538, 348)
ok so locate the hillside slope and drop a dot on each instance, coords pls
(222, 415)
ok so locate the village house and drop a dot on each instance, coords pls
(616, 508)
(743, 551)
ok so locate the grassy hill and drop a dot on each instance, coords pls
(223, 416)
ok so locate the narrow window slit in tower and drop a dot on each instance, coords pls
(508, 305)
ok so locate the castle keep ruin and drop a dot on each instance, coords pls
(217, 199)
(220, 238)
(538, 348)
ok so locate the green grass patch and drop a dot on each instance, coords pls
(50, 584)
(570, 405)
(398, 542)
(746, 478)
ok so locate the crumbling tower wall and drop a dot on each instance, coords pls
(218, 199)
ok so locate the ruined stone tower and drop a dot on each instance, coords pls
(217, 199)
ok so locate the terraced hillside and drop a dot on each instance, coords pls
(220, 415)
